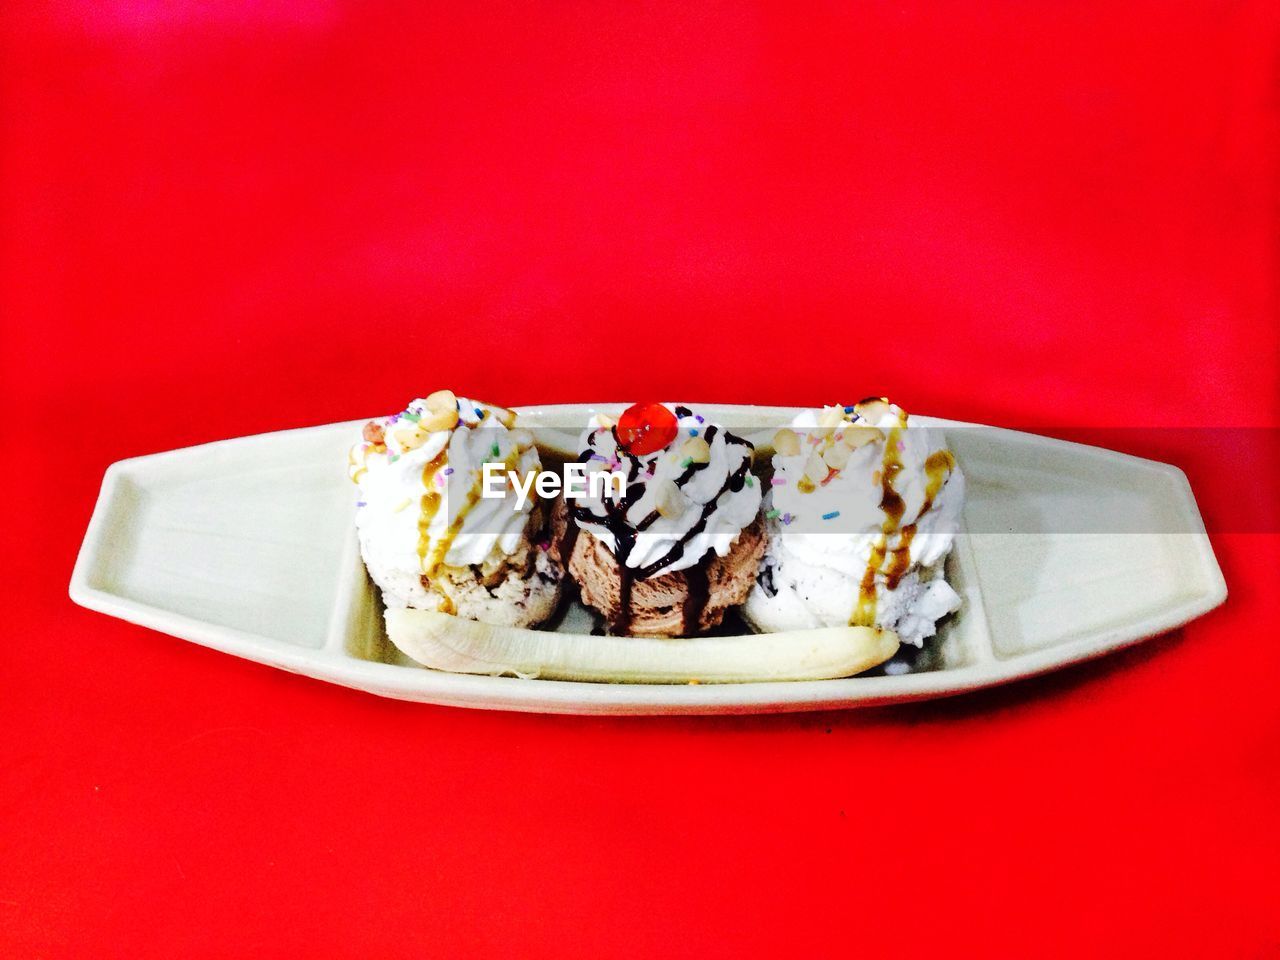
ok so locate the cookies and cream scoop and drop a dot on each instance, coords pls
(862, 510)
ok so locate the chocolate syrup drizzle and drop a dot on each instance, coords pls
(624, 532)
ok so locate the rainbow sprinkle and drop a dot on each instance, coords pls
(479, 413)
(411, 416)
(446, 471)
(777, 481)
(495, 450)
(361, 503)
(770, 514)
(831, 516)
(749, 481)
(787, 518)
(687, 461)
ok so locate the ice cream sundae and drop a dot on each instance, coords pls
(862, 511)
(428, 537)
(682, 543)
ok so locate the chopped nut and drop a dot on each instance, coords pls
(669, 501)
(836, 456)
(831, 417)
(441, 420)
(505, 417)
(856, 437)
(442, 400)
(815, 469)
(696, 449)
(410, 438)
(786, 442)
(872, 410)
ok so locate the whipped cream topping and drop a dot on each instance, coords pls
(420, 505)
(692, 496)
(863, 509)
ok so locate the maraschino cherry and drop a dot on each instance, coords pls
(646, 428)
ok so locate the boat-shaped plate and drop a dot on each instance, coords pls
(248, 546)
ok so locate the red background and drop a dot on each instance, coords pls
(223, 219)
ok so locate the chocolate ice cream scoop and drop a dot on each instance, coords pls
(681, 603)
(680, 544)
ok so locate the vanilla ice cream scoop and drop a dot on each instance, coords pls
(428, 536)
(863, 509)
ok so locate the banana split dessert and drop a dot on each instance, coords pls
(662, 526)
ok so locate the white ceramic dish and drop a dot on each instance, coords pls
(247, 546)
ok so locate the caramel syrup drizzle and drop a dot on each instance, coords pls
(938, 467)
(431, 554)
(430, 506)
(864, 611)
(445, 541)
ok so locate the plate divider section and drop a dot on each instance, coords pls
(979, 647)
(348, 597)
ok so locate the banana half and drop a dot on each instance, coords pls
(445, 642)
